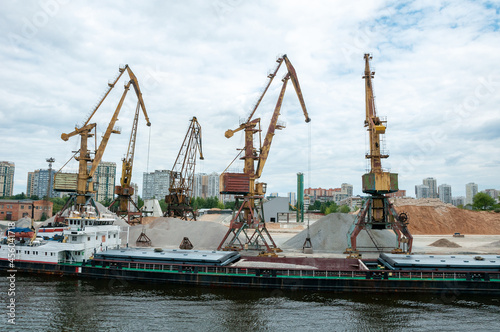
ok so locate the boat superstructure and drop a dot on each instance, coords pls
(86, 234)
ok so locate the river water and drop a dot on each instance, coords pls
(67, 304)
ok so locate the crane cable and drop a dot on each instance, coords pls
(149, 145)
(308, 170)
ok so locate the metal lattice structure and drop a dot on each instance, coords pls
(182, 175)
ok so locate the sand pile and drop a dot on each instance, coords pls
(431, 216)
(330, 234)
(169, 233)
(445, 243)
(494, 244)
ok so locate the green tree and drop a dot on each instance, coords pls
(140, 202)
(58, 203)
(344, 209)
(106, 202)
(20, 196)
(483, 201)
(163, 205)
(230, 205)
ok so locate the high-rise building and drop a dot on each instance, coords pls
(459, 200)
(347, 188)
(471, 190)
(493, 193)
(104, 177)
(432, 184)
(292, 198)
(206, 185)
(134, 197)
(445, 193)
(422, 191)
(155, 184)
(7, 169)
(38, 182)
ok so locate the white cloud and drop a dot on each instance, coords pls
(437, 80)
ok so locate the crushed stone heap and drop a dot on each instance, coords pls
(169, 233)
(330, 234)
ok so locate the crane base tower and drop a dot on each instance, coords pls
(247, 228)
(377, 214)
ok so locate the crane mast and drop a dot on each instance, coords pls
(87, 165)
(125, 191)
(248, 214)
(377, 212)
(182, 175)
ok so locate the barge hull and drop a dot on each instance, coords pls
(267, 279)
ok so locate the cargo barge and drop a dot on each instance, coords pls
(90, 248)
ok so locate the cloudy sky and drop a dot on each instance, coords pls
(437, 80)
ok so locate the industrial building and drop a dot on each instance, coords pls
(7, 169)
(26, 208)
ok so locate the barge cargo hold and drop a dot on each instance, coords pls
(381, 281)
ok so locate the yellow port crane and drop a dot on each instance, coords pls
(377, 212)
(182, 175)
(124, 191)
(249, 193)
(82, 187)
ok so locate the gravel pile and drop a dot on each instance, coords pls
(330, 234)
(169, 233)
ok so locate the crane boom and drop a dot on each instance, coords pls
(376, 127)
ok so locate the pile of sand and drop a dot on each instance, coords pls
(494, 244)
(431, 216)
(330, 234)
(169, 233)
(445, 243)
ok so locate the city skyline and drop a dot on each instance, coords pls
(104, 185)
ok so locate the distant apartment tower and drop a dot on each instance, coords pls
(292, 198)
(38, 182)
(104, 177)
(134, 197)
(422, 191)
(471, 190)
(155, 184)
(206, 185)
(459, 200)
(493, 193)
(397, 194)
(324, 195)
(7, 169)
(432, 184)
(346, 188)
(445, 193)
